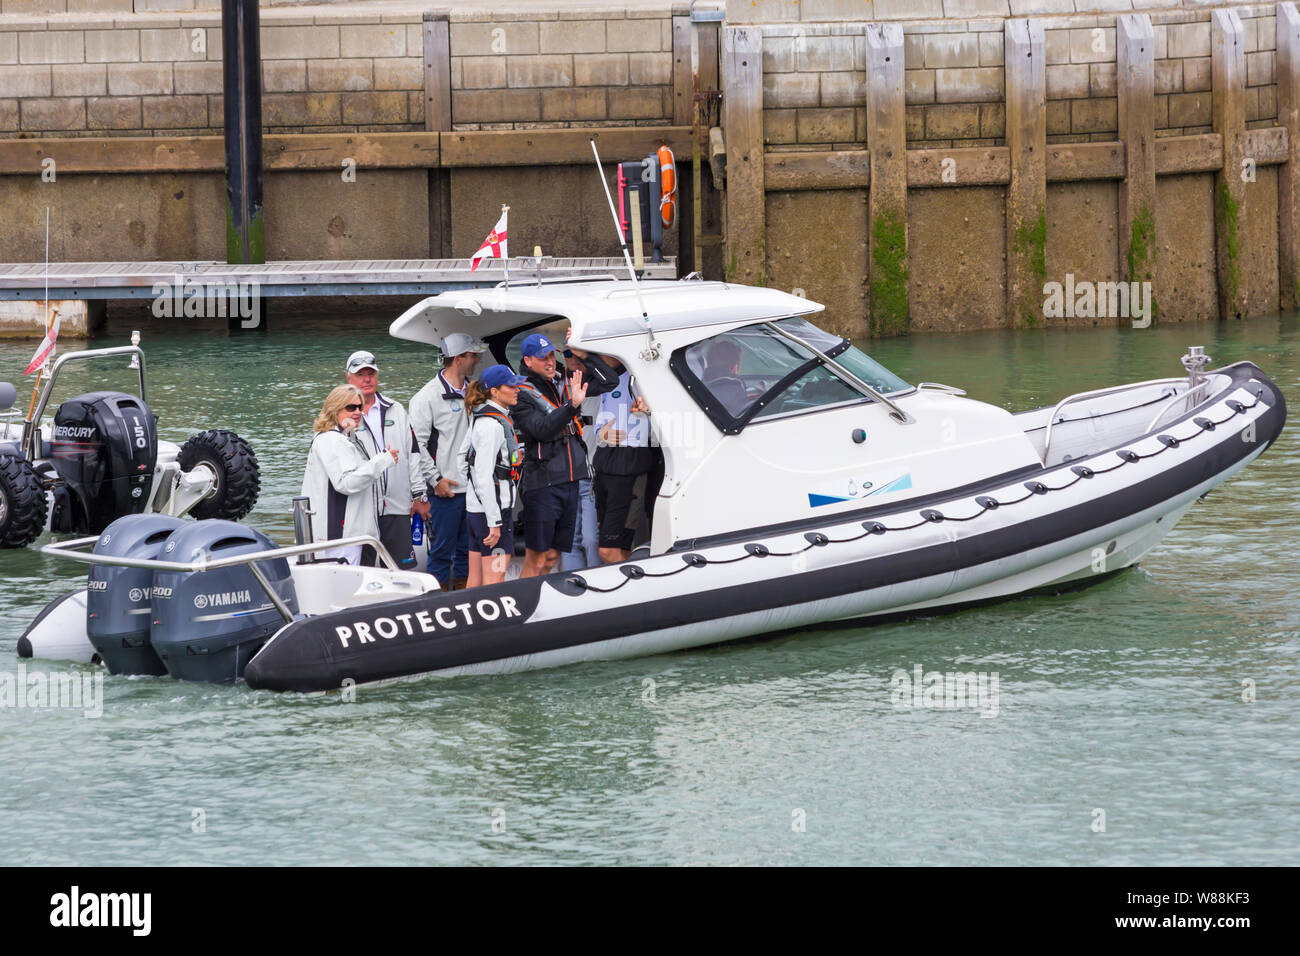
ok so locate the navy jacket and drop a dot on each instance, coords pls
(548, 426)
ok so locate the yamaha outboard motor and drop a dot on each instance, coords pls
(104, 447)
(118, 599)
(207, 624)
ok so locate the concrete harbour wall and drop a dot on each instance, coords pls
(917, 165)
(328, 70)
(1152, 143)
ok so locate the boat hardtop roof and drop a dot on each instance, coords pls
(595, 309)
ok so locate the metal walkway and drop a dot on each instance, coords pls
(138, 280)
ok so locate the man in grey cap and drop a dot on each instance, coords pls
(383, 426)
(440, 422)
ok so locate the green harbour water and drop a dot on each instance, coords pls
(1122, 703)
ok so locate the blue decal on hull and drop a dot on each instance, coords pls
(899, 484)
(816, 501)
(819, 498)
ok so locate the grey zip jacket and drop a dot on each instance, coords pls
(440, 422)
(491, 448)
(395, 487)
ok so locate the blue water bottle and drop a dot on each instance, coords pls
(417, 531)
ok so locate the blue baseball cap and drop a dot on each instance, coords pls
(496, 376)
(537, 346)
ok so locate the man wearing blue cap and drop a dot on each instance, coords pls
(555, 458)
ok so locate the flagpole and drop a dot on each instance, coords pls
(47, 269)
(505, 211)
(40, 372)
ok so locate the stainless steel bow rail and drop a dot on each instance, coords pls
(1198, 388)
(1098, 393)
(74, 549)
(31, 426)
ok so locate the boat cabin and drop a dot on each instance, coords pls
(763, 417)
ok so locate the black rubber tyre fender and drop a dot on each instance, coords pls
(22, 503)
(238, 476)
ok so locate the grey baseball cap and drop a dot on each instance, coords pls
(458, 343)
(359, 360)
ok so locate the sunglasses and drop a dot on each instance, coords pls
(353, 408)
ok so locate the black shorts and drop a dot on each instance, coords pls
(550, 517)
(478, 530)
(614, 495)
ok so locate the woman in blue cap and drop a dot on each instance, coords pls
(491, 458)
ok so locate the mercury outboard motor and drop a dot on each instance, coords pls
(206, 625)
(118, 599)
(104, 447)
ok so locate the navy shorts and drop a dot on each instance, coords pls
(478, 530)
(614, 497)
(550, 517)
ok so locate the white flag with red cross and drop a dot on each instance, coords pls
(494, 246)
(46, 348)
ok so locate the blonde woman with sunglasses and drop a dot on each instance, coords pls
(341, 479)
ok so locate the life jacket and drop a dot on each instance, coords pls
(514, 454)
(563, 392)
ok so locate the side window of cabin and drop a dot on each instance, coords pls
(730, 369)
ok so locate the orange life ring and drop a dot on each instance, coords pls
(667, 187)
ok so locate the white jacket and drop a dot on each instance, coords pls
(440, 423)
(491, 448)
(343, 485)
(395, 487)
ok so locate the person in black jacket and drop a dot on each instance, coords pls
(555, 458)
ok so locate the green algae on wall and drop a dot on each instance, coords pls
(256, 238)
(1142, 251)
(1226, 211)
(1032, 242)
(889, 275)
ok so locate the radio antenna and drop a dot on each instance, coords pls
(652, 352)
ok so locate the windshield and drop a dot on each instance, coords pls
(755, 374)
(847, 354)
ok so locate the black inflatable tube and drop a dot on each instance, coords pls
(308, 656)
